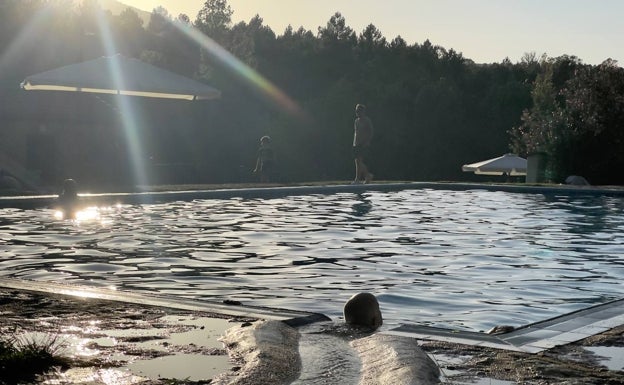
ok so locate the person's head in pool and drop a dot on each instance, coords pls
(68, 200)
(70, 188)
(69, 195)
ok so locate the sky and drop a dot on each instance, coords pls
(485, 31)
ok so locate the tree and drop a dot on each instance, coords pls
(336, 30)
(576, 119)
(129, 32)
(371, 38)
(595, 116)
(430, 104)
(214, 19)
(543, 125)
(251, 42)
(159, 21)
(335, 51)
(398, 43)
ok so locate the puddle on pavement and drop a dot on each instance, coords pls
(447, 363)
(93, 376)
(193, 367)
(489, 381)
(450, 375)
(173, 336)
(610, 356)
(202, 333)
(205, 333)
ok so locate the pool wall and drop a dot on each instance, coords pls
(33, 202)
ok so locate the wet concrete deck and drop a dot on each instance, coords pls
(533, 338)
(290, 317)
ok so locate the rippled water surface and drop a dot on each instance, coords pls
(464, 259)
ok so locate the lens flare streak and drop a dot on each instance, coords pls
(241, 70)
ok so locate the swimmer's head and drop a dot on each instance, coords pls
(70, 188)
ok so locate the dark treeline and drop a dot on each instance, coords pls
(433, 109)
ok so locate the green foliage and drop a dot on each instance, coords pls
(433, 109)
(214, 19)
(336, 30)
(576, 120)
(21, 359)
(594, 111)
(129, 32)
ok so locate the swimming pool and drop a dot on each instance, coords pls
(467, 259)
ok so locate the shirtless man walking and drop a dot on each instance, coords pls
(363, 133)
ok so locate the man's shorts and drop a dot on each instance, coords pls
(360, 151)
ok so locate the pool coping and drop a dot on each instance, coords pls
(233, 309)
(38, 201)
(532, 338)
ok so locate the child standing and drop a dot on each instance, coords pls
(265, 162)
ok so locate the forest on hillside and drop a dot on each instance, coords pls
(433, 109)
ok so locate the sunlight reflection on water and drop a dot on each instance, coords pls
(464, 259)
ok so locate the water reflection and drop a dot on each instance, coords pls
(363, 206)
(583, 214)
(78, 214)
(464, 259)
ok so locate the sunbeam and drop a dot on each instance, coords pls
(243, 71)
(129, 119)
(25, 37)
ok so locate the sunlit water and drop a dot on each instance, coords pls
(462, 259)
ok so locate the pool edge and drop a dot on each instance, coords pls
(38, 201)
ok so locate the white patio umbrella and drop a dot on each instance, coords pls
(120, 75)
(509, 164)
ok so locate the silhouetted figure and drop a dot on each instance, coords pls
(68, 199)
(362, 136)
(363, 310)
(265, 163)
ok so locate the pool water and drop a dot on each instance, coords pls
(462, 259)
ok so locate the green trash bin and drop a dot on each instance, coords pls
(536, 168)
